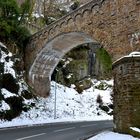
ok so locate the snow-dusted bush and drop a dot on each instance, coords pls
(99, 99)
(103, 86)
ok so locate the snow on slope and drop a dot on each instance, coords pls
(12, 86)
(113, 136)
(71, 106)
(6, 59)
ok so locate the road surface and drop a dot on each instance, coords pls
(57, 131)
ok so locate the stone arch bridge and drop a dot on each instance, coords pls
(112, 24)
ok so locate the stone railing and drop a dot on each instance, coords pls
(65, 19)
(33, 27)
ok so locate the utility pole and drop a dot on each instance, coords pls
(55, 95)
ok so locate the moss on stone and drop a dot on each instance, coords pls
(83, 84)
(134, 133)
(105, 62)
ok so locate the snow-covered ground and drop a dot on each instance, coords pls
(70, 106)
(112, 136)
(17, 85)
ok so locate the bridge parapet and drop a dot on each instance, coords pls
(65, 19)
(39, 39)
(111, 21)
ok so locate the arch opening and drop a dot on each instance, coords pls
(82, 63)
(48, 58)
(70, 79)
(53, 52)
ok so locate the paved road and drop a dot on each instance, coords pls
(58, 131)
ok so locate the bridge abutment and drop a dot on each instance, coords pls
(41, 85)
(127, 94)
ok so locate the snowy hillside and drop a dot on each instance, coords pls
(70, 106)
(16, 100)
(13, 88)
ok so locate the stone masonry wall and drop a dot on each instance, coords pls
(126, 94)
(114, 24)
